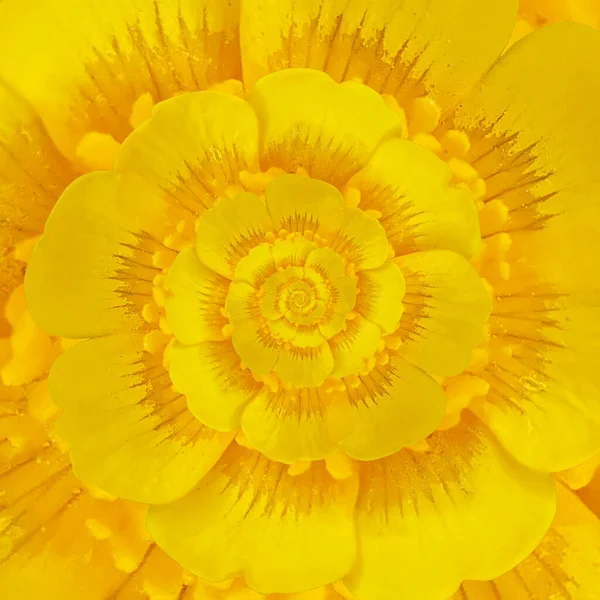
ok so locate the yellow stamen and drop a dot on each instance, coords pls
(141, 110)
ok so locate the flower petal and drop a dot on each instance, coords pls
(283, 533)
(254, 268)
(419, 208)
(288, 426)
(89, 62)
(564, 565)
(242, 303)
(394, 405)
(540, 161)
(282, 329)
(445, 308)
(91, 271)
(215, 386)
(299, 204)
(344, 293)
(462, 510)
(228, 231)
(193, 147)
(361, 239)
(257, 348)
(130, 434)
(389, 45)
(308, 121)
(194, 310)
(34, 173)
(380, 297)
(353, 346)
(308, 335)
(327, 263)
(307, 367)
(45, 509)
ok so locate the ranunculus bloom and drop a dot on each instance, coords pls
(338, 311)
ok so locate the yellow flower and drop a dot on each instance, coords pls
(286, 281)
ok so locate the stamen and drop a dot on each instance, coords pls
(425, 115)
(456, 143)
(299, 467)
(141, 110)
(97, 151)
(340, 465)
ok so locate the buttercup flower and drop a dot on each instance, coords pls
(330, 266)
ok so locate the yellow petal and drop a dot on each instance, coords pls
(89, 62)
(281, 532)
(307, 367)
(257, 348)
(293, 253)
(308, 121)
(228, 231)
(256, 267)
(282, 329)
(380, 297)
(389, 45)
(130, 434)
(194, 310)
(288, 426)
(465, 507)
(361, 240)
(90, 272)
(299, 204)
(344, 294)
(543, 403)
(45, 544)
(420, 208)
(327, 263)
(242, 303)
(308, 335)
(353, 346)
(215, 386)
(193, 147)
(445, 309)
(34, 171)
(564, 565)
(394, 405)
(544, 397)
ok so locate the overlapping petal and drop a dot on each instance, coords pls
(284, 533)
(131, 434)
(463, 510)
(85, 277)
(194, 310)
(564, 565)
(398, 47)
(539, 160)
(215, 387)
(396, 404)
(445, 309)
(410, 189)
(193, 149)
(310, 122)
(88, 63)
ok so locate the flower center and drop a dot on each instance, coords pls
(299, 300)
